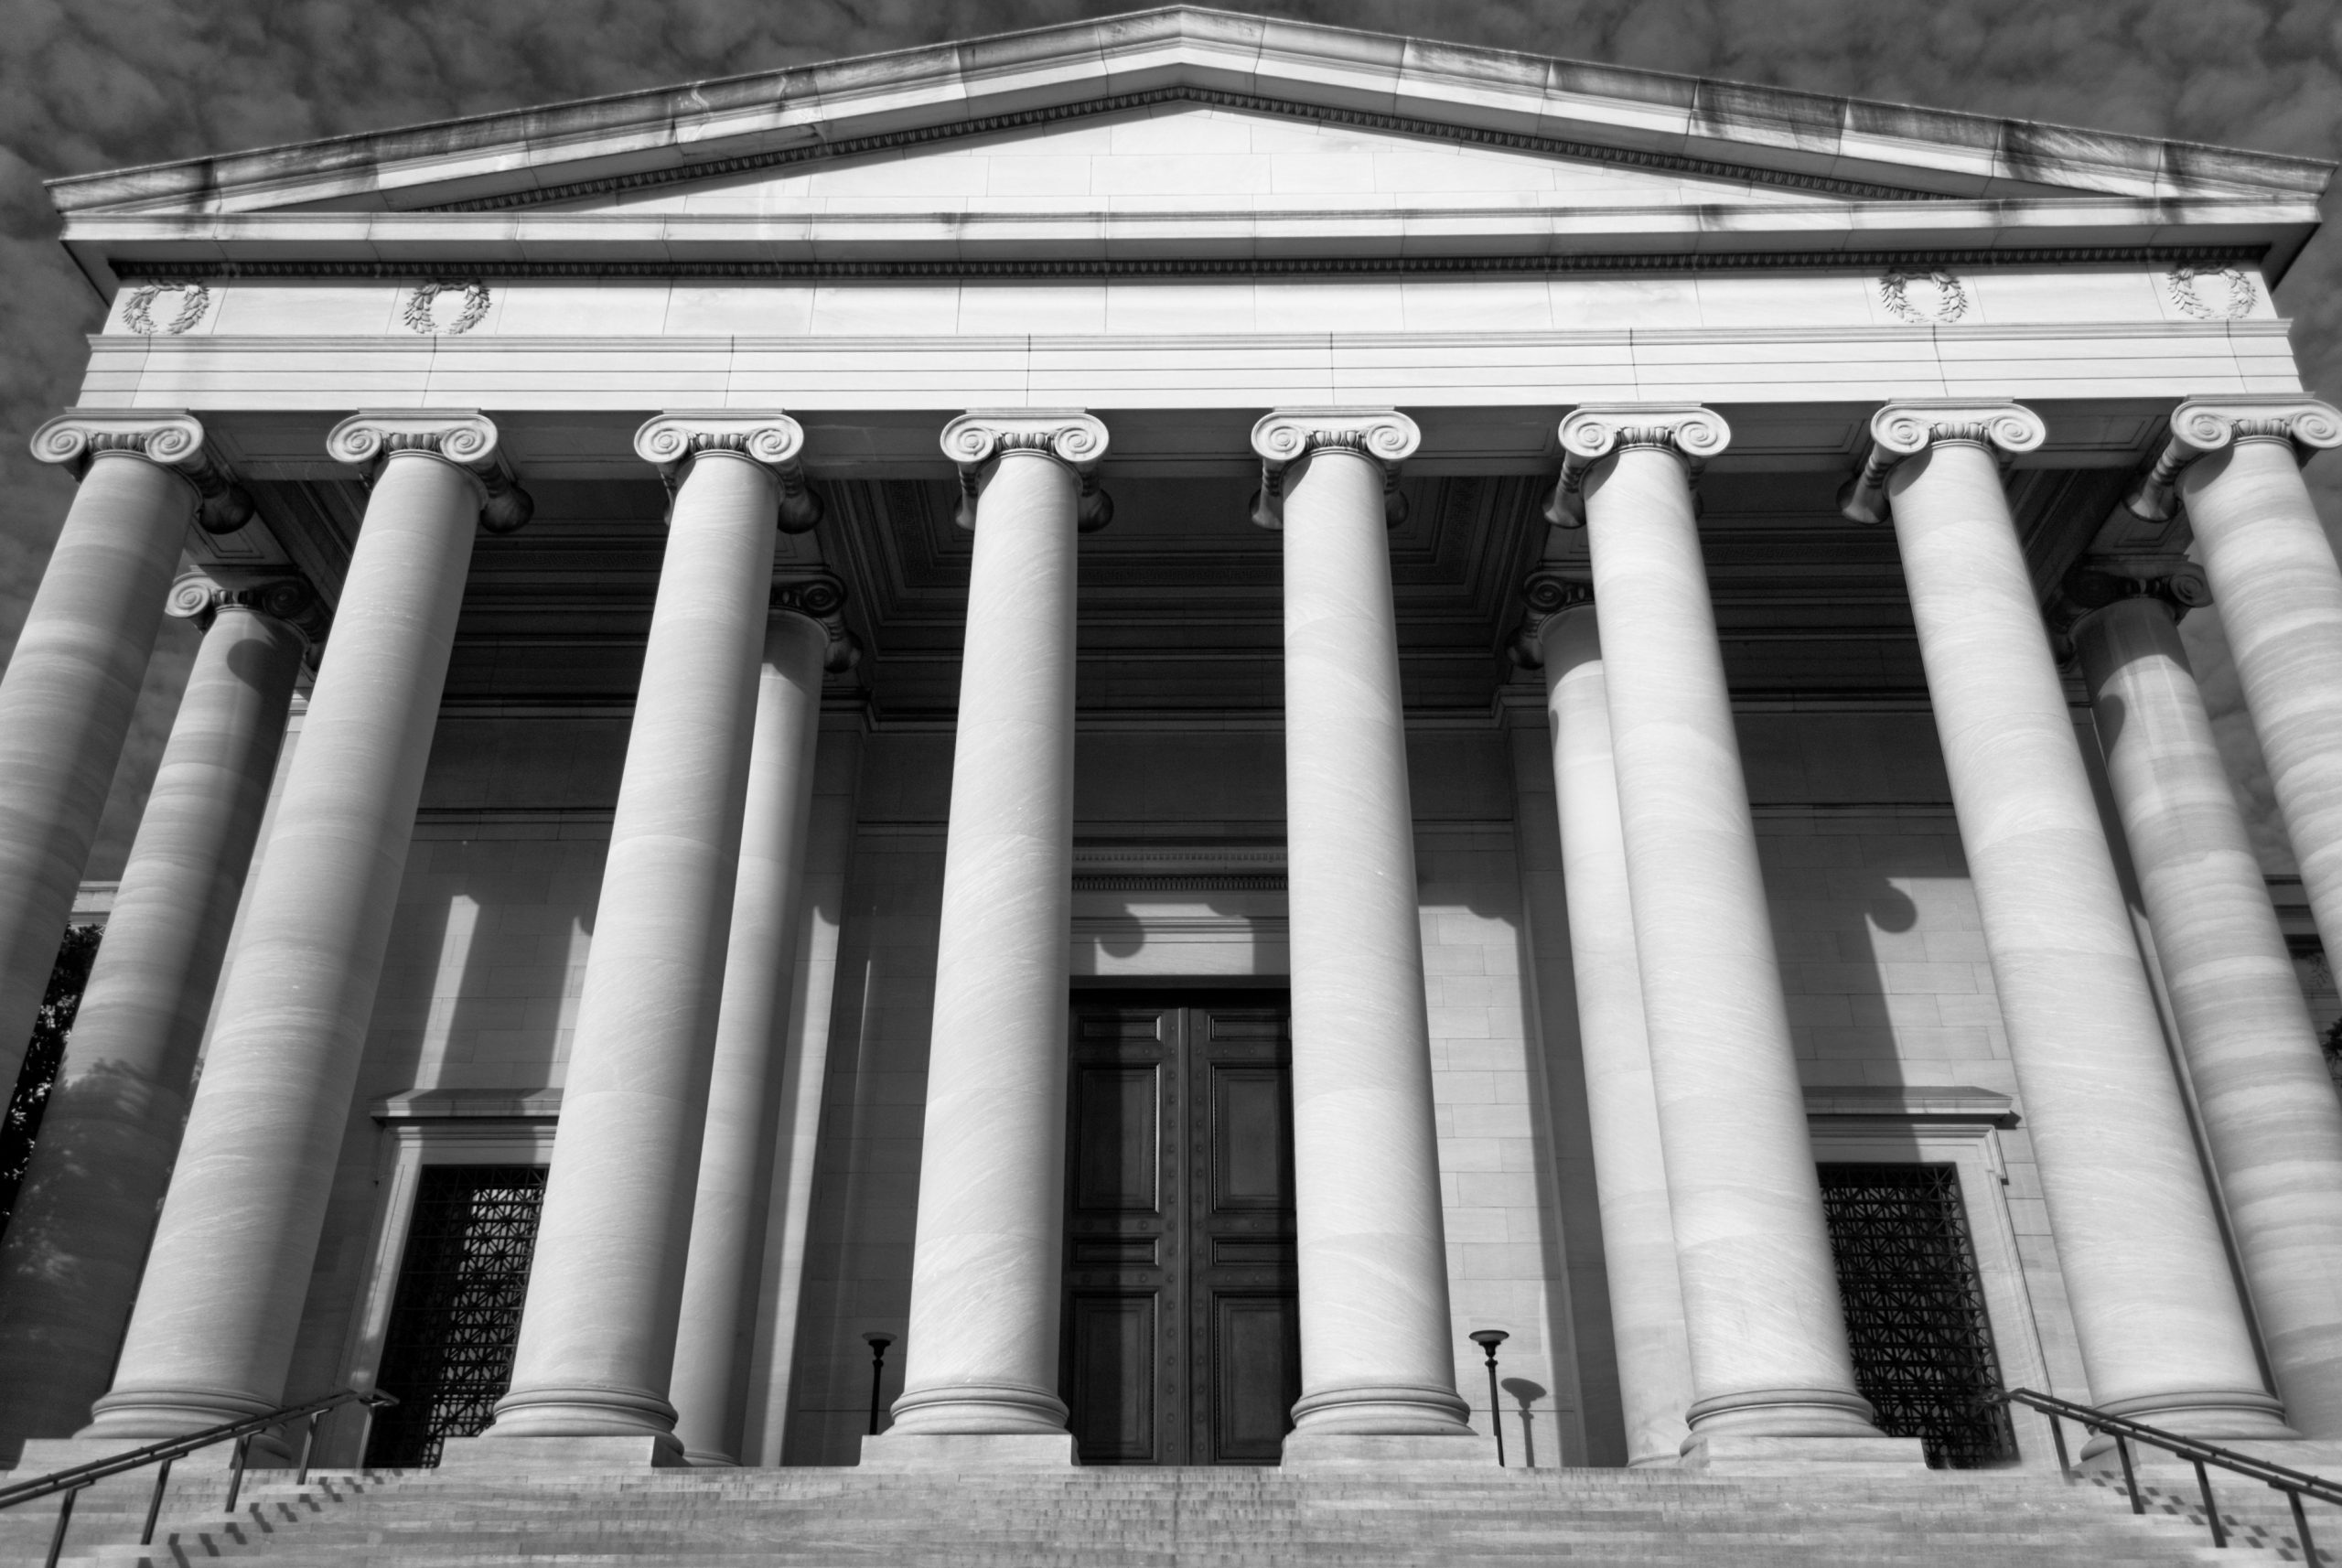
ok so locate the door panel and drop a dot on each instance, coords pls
(1181, 1338)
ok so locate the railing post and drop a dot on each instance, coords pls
(308, 1441)
(236, 1474)
(2130, 1479)
(2211, 1513)
(2301, 1529)
(155, 1503)
(2057, 1436)
(65, 1518)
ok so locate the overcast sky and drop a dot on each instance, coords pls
(93, 84)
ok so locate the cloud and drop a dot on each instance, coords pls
(91, 84)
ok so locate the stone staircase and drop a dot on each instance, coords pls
(1146, 1518)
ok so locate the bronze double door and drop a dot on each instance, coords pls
(1181, 1326)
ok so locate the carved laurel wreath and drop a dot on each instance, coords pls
(423, 305)
(139, 314)
(1952, 298)
(2235, 298)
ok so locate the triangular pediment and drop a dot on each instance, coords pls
(1192, 156)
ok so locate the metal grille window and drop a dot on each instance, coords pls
(454, 1321)
(1915, 1309)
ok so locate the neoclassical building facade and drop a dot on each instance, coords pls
(1077, 744)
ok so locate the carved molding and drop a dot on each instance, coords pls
(2203, 425)
(2213, 294)
(1594, 431)
(672, 441)
(1904, 428)
(138, 311)
(820, 598)
(170, 438)
(1545, 595)
(280, 593)
(1943, 301)
(979, 438)
(422, 310)
(463, 438)
(1383, 436)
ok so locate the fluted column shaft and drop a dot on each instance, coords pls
(1376, 1342)
(2163, 1334)
(69, 1261)
(2262, 1092)
(212, 1332)
(709, 1388)
(597, 1334)
(981, 1354)
(1622, 1110)
(72, 679)
(1761, 1294)
(2280, 597)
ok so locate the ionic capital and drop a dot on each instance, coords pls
(1903, 429)
(1545, 595)
(1594, 431)
(463, 439)
(1383, 436)
(673, 441)
(2203, 425)
(2100, 582)
(820, 598)
(979, 438)
(169, 438)
(278, 592)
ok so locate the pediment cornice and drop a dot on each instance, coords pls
(1845, 147)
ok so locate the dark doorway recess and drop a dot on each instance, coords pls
(455, 1317)
(1182, 1341)
(1915, 1309)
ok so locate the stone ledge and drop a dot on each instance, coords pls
(970, 1450)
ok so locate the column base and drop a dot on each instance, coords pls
(490, 1454)
(1732, 1453)
(970, 1450)
(1461, 1450)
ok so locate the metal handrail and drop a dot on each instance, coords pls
(2295, 1484)
(79, 1479)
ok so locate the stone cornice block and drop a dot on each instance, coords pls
(280, 593)
(1594, 431)
(1285, 436)
(169, 438)
(1909, 426)
(2203, 425)
(464, 439)
(672, 442)
(981, 437)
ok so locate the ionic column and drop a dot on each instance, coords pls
(2235, 461)
(980, 1366)
(1760, 1296)
(1622, 1110)
(72, 679)
(1378, 1352)
(598, 1332)
(212, 1333)
(70, 1261)
(709, 1389)
(2163, 1335)
(2263, 1093)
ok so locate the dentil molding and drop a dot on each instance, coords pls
(278, 592)
(463, 438)
(2203, 425)
(672, 441)
(979, 438)
(170, 438)
(1383, 436)
(1909, 426)
(1594, 431)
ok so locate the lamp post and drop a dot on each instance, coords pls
(1489, 1340)
(878, 1340)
